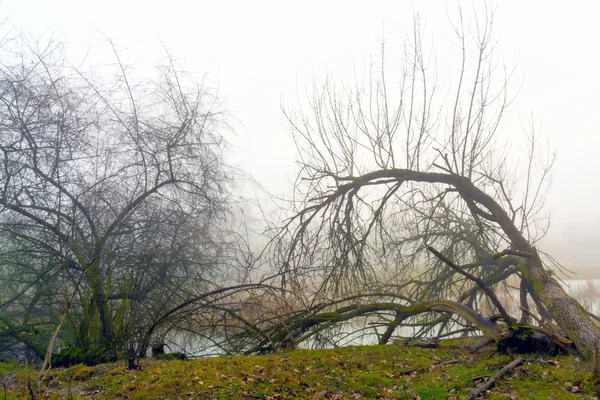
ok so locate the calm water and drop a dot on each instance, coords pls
(587, 292)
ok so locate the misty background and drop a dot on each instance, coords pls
(261, 53)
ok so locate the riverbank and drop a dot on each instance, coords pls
(396, 371)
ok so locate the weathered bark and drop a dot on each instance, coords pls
(488, 385)
(567, 312)
(524, 304)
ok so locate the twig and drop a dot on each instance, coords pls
(532, 315)
(449, 362)
(488, 385)
(442, 363)
(45, 368)
(410, 371)
(32, 394)
(511, 252)
(593, 316)
(257, 396)
(482, 345)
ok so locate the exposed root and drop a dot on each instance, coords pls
(522, 339)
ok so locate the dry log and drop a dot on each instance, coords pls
(488, 385)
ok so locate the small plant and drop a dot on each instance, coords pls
(6, 380)
(74, 355)
(172, 356)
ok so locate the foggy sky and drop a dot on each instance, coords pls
(258, 53)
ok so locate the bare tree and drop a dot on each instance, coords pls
(110, 180)
(409, 195)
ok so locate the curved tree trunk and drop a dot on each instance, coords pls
(570, 316)
(566, 311)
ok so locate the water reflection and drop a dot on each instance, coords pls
(365, 331)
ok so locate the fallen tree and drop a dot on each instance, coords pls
(405, 193)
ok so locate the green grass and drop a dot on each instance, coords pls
(364, 372)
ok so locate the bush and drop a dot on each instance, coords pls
(74, 355)
(172, 356)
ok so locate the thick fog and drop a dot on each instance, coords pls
(261, 53)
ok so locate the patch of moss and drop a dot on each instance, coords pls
(366, 372)
(75, 355)
(172, 356)
(81, 372)
(524, 340)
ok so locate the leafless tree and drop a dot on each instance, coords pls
(110, 180)
(414, 208)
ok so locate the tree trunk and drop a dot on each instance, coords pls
(105, 320)
(566, 311)
(103, 310)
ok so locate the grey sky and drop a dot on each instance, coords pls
(258, 52)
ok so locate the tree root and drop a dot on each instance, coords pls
(522, 339)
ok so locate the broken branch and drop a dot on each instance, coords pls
(488, 385)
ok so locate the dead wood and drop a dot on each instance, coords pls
(482, 345)
(410, 371)
(488, 385)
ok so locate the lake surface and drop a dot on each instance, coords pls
(362, 332)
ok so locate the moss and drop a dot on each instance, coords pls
(519, 340)
(172, 356)
(523, 340)
(75, 355)
(81, 372)
(366, 372)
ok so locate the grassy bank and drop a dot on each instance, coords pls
(450, 371)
